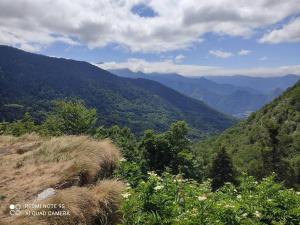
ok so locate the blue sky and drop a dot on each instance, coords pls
(224, 37)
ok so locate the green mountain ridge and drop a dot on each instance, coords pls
(29, 82)
(268, 141)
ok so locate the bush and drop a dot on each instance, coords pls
(71, 118)
(169, 199)
(20, 127)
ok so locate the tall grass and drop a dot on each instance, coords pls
(61, 162)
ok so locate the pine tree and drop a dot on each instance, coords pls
(273, 159)
(222, 170)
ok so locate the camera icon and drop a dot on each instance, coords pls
(15, 209)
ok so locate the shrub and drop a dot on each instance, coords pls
(169, 199)
(70, 117)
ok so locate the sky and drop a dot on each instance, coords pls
(189, 37)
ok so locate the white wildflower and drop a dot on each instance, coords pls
(158, 187)
(239, 196)
(202, 198)
(257, 214)
(123, 160)
(126, 195)
(245, 215)
(298, 192)
(152, 173)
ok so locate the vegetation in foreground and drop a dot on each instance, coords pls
(78, 169)
(170, 199)
(177, 190)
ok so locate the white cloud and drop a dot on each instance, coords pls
(179, 58)
(288, 33)
(33, 24)
(220, 54)
(168, 66)
(244, 52)
(264, 58)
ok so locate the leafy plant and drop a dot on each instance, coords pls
(70, 117)
(170, 199)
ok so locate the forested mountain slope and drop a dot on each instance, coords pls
(29, 82)
(268, 141)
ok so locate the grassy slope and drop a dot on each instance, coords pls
(244, 141)
(30, 164)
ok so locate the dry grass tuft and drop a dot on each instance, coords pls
(29, 164)
(86, 206)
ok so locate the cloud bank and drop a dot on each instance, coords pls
(169, 66)
(32, 24)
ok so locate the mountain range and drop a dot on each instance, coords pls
(30, 82)
(263, 84)
(234, 95)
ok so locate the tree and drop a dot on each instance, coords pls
(274, 155)
(70, 117)
(28, 123)
(171, 149)
(157, 151)
(222, 170)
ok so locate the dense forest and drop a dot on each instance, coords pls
(268, 141)
(29, 82)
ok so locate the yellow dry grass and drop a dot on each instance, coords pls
(29, 164)
(86, 206)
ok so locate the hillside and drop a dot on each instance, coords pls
(70, 180)
(29, 82)
(267, 141)
(70, 171)
(227, 98)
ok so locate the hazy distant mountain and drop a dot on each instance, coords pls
(29, 82)
(236, 100)
(265, 85)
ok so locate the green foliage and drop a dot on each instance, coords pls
(169, 199)
(132, 172)
(222, 170)
(267, 142)
(273, 155)
(123, 138)
(171, 149)
(138, 104)
(25, 125)
(70, 117)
